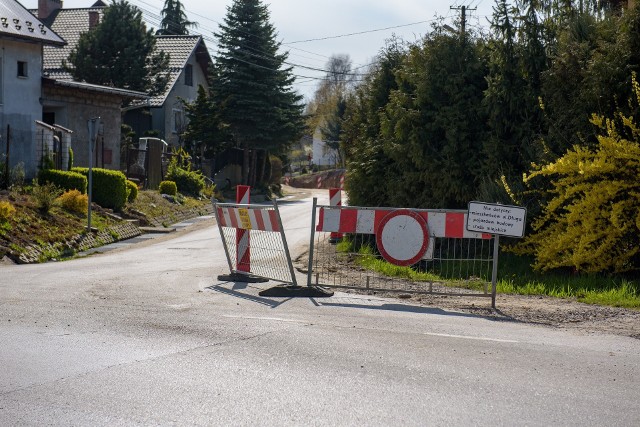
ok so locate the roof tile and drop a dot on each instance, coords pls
(16, 21)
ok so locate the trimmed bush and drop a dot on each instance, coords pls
(70, 162)
(74, 201)
(188, 182)
(6, 210)
(45, 195)
(109, 187)
(132, 191)
(168, 187)
(63, 179)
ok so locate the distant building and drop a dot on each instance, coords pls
(323, 155)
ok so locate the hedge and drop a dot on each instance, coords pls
(132, 191)
(109, 187)
(188, 182)
(66, 180)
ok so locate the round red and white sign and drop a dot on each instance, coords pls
(402, 237)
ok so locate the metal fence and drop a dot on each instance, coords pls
(458, 265)
(254, 241)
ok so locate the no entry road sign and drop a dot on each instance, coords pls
(402, 237)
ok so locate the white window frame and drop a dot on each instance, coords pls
(178, 115)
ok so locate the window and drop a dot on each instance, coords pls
(1, 81)
(188, 75)
(178, 121)
(22, 69)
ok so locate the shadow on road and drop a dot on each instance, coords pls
(234, 292)
(358, 303)
(398, 307)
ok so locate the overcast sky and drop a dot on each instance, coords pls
(333, 21)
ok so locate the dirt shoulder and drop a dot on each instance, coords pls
(542, 310)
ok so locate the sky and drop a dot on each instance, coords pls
(314, 30)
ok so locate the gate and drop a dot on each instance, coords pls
(254, 242)
(444, 257)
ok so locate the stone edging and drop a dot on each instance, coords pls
(78, 243)
(165, 220)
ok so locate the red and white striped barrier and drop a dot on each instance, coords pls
(366, 221)
(243, 255)
(269, 258)
(335, 199)
(319, 182)
(249, 219)
(403, 236)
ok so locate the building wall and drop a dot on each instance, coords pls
(20, 101)
(164, 118)
(73, 108)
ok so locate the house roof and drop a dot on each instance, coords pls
(180, 49)
(70, 24)
(17, 22)
(123, 93)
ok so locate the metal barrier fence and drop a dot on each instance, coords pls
(453, 261)
(254, 241)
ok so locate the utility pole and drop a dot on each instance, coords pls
(463, 17)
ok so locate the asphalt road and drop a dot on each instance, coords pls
(148, 336)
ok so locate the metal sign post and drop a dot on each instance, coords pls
(92, 126)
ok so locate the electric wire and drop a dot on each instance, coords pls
(155, 19)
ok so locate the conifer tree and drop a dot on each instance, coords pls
(174, 19)
(120, 52)
(204, 133)
(254, 84)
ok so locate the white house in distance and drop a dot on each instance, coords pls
(323, 155)
(22, 37)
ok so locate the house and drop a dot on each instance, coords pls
(163, 115)
(189, 64)
(323, 155)
(22, 37)
(71, 104)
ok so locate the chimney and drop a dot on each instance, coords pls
(94, 19)
(47, 7)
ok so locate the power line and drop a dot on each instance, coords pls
(359, 32)
(156, 19)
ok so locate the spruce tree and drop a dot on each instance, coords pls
(120, 52)
(174, 20)
(254, 84)
(204, 132)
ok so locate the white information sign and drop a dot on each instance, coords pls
(497, 219)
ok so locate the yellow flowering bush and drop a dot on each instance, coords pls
(74, 201)
(592, 220)
(6, 210)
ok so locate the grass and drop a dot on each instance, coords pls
(515, 276)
